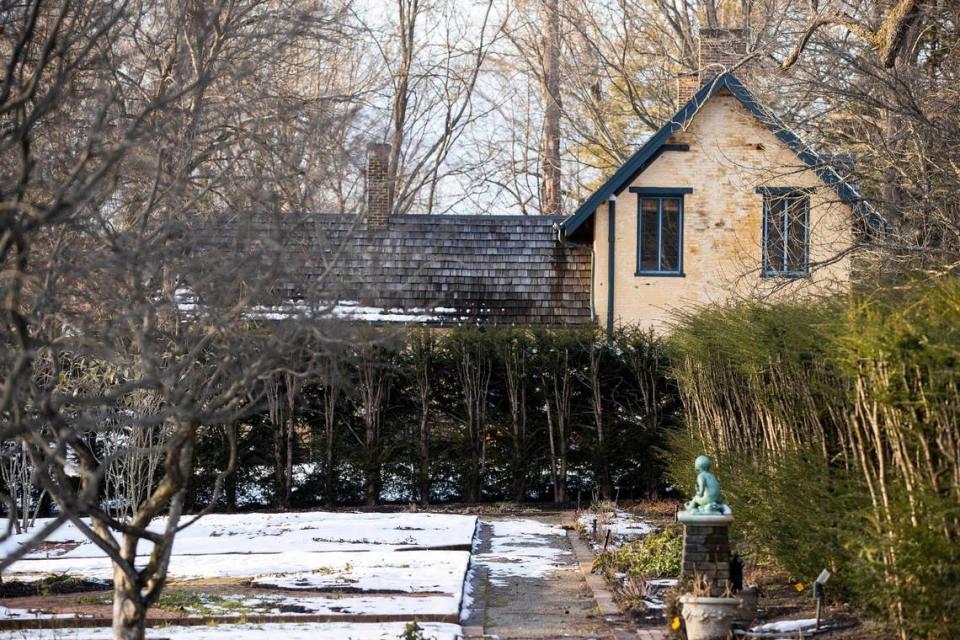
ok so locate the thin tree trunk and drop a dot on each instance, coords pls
(288, 468)
(129, 614)
(551, 193)
(424, 453)
(331, 477)
(374, 389)
(554, 477)
(409, 11)
(331, 394)
(601, 467)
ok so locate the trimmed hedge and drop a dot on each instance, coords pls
(511, 414)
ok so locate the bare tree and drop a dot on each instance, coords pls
(474, 366)
(552, 189)
(556, 378)
(515, 357)
(330, 374)
(122, 136)
(374, 386)
(282, 393)
(422, 355)
(433, 55)
(888, 37)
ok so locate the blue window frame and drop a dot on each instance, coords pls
(660, 231)
(786, 232)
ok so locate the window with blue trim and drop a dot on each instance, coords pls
(660, 232)
(786, 233)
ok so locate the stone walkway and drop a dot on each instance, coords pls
(527, 582)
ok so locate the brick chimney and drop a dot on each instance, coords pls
(379, 185)
(687, 84)
(719, 50)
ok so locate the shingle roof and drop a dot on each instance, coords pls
(422, 268)
(647, 153)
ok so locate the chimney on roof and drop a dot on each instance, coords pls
(379, 185)
(719, 50)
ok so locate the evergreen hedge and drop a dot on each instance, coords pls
(836, 427)
(462, 414)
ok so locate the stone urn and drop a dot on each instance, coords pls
(709, 618)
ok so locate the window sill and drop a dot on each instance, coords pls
(786, 275)
(658, 274)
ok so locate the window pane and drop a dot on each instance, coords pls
(797, 234)
(773, 240)
(648, 234)
(670, 236)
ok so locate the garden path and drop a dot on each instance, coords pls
(526, 583)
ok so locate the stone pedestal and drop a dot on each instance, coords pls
(706, 548)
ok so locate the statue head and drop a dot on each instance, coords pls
(702, 464)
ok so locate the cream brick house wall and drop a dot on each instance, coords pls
(731, 153)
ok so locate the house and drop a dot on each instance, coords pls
(723, 201)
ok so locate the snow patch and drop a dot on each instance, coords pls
(7, 613)
(326, 631)
(785, 626)
(522, 548)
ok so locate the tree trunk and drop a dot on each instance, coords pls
(561, 493)
(372, 470)
(231, 491)
(600, 466)
(331, 393)
(553, 448)
(424, 455)
(288, 468)
(372, 483)
(519, 475)
(473, 477)
(550, 189)
(276, 405)
(129, 613)
(331, 478)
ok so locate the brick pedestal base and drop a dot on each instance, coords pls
(706, 549)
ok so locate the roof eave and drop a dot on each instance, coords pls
(636, 163)
(639, 161)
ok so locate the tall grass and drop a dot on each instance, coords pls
(837, 431)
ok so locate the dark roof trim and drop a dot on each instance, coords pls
(649, 152)
(661, 191)
(784, 191)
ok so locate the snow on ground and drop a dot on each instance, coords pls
(432, 605)
(328, 631)
(623, 526)
(410, 571)
(340, 563)
(786, 626)
(6, 613)
(522, 548)
(314, 531)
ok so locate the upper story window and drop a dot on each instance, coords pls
(659, 231)
(786, 232)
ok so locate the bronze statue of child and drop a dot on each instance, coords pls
(708, 499)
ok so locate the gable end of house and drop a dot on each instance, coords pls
(658, 143)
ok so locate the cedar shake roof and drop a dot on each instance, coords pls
(434, 269)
